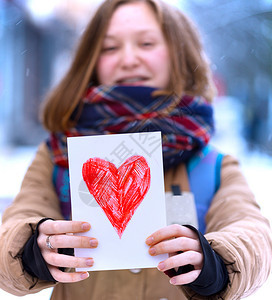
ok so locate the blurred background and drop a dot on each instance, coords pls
(37, 42)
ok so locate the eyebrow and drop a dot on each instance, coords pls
(143, 31)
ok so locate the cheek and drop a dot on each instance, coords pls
(105, 69)
(161, 67)
(160, 60)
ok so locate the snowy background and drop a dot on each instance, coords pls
(38, 37)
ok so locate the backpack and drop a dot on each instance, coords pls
(204, 178)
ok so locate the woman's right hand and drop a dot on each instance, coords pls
(62, 236)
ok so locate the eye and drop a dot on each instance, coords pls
(109, 49)
(147, 44)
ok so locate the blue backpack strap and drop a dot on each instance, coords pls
(62, 187)
(204, 178)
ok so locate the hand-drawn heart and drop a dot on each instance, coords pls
(120, 191)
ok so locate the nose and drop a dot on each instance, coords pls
(130, 57)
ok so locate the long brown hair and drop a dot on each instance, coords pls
(190, 69)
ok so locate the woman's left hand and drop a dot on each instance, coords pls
(183, 246)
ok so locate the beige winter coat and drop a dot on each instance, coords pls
(235, 229)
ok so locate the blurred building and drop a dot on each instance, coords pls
(37, 40)
(238, 37)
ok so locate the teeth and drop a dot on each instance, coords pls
(130, 80)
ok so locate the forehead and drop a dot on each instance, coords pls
(133, 16)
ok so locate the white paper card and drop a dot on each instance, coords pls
(88, 155)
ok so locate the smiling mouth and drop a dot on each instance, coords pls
(133, 80)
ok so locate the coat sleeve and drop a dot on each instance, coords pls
(36, 200)
(239, 233)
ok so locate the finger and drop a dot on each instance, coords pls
(66, 261)
(50, 227)
(185, 278)
(175, 245)
(170, 232)
(65, 277)
(73, 241)
(182, 259)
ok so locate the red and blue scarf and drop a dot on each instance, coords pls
(186, 125)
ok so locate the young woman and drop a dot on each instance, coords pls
(140, 66)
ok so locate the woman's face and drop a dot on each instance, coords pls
(134, 50)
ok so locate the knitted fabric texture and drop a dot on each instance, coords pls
(186, 123)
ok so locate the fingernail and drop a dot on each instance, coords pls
(152, 251)
(93, 243)
(149, 240)
(173, 281)
(161, 266)
(85, 226)
(84, 275)
(89, 262)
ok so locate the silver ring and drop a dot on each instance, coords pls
(48, 244)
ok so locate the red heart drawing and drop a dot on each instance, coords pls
(120, 191)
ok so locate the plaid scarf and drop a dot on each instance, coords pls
(186, 124)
